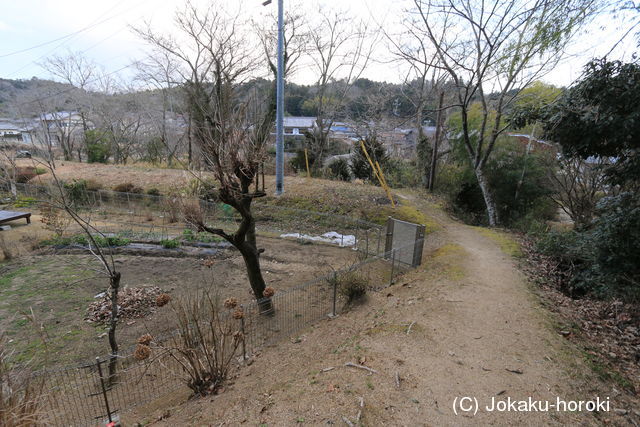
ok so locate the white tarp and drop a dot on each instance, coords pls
(330, 237)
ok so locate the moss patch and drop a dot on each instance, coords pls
(404, 211)
(507, 244)
(445, 261)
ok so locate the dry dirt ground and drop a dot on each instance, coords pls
(465, 324)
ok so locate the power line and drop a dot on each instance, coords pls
(92, 25)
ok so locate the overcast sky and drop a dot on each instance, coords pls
(102, 33)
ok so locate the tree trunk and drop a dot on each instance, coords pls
(251, 257)
(490, 204)
(115, 285)
(434, 155)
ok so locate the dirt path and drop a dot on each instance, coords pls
(465, 324)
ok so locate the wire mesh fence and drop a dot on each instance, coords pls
(160, 215)
(80, 395)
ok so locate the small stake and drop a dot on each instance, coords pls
(366, 240)
(104, 390)
(335, 293)
(244, 350)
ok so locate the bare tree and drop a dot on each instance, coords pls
(159, 71)
(578, 185)
(8, 171)
(490, 50)
(423, 80)
(341, 48)
(59, 199)
(215, 56)
(76, 70)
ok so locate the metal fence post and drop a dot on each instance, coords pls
(366, 242)
(393, 262)
(335, 293)
(244, 349)
(356, 237)
(104, 390)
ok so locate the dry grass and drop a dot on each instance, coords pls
(21, 395)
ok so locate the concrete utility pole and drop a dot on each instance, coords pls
(279, 101)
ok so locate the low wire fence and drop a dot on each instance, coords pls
(81, 395)
(159, 215)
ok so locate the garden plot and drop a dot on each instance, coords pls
(60, 288)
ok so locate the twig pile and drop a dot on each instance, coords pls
(133, 303)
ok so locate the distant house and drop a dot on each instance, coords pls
(61, 126)
(64, 119)
(298, 125)
(404, 142)
(11, 131)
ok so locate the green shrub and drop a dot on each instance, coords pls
(339, 169)
(360, 166)
(76, 191)
(97, 146)
(202, 188)
(603, 260)
(40, 171)
(401, 173)
(24, 202)
(153, 192)
(170, 243)
(298, 162)
(521, 201)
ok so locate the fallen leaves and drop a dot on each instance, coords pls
(133, 303)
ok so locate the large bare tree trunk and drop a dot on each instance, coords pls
(492, 210)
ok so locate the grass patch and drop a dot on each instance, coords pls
(606, 373)
(403, 211)
(53, 292)
(202, 237)
(507, 244)
(24, 202)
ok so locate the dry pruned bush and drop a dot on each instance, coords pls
(207, 342)
(21, 395)
(163, 299)
(350, 284)
(172, 207)
(142, 352)
(5, 249)
(192, 214)
(145, 339)
(54, 219)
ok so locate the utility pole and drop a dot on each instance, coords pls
(279, 101)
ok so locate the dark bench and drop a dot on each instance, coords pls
(6, 216)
